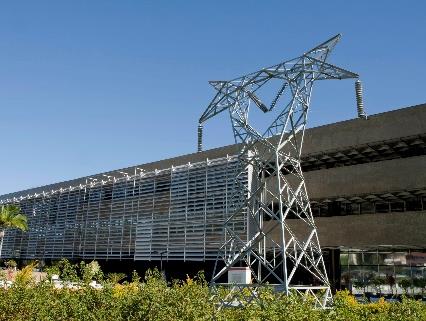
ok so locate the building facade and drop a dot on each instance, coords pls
(177, 212)
(366, 179)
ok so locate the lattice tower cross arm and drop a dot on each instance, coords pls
(279, 159)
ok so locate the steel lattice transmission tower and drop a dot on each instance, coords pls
(259, 228)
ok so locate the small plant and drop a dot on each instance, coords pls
(391, 281)
(420, 283)
(25, 276)
(3, 275)
(91, 271)
(405, 284)
(360, 284)
(68, 271)
(377, 283)
(52, 270)
(115, 278)
(346, 278)
(136, 278)
(11, 264)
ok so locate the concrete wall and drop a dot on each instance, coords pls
(406, 229)
(378, 177)
(355, 132)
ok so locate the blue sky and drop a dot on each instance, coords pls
(92, 86)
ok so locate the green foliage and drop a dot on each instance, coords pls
(67, 271)
(3, 275)
(420, 283)
(136, 278)
(153, 298)
(405, 284)
(360, 284)
(114, 278)
(391, 281)
(25, 276)
(10, 264)
(52, 270)
(91, 271)
(11, 217)
(378, 282)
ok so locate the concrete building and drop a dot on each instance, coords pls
(366, 179)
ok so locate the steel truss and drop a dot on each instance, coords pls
(174, 213)
(275, 254)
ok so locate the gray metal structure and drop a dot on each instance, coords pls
(175, 214)
(276, 188)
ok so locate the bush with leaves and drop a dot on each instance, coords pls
(153, 298)
(378, 282)
(405, 284)
(391, 281)
(420, 283)
(360, 284)
(11, 264)
(91, 271)
(115, 278)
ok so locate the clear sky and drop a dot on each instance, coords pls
(92, 86)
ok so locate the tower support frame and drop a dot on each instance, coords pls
(276, 194)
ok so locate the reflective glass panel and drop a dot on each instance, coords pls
(344, 259)
(400, 258)
(355, 258)
(402, 272)
(370, 258)
(385, 258)
(416, 259)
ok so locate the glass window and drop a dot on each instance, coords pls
(355, 208)
(402, 272)
(416, 259)
(356, 273)
(355, 258)
(348, 210)
(344, 259)
(324, 210)
(369, 272)
(400, 258)
(385, 270)
(418, 272)
(370, 258)
(397, 206)
(345, 276)
(367, 208)
(334, 208)
(385, 258)
(366, 265)
(382, 207)
(413, 204)
(315, 211)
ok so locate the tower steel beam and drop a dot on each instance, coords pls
(275, 253)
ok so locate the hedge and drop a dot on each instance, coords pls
(154, 299)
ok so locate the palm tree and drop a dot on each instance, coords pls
(11, 217)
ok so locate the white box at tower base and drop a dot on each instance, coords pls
(239, 275)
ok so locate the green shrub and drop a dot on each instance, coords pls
(10, 264)
(91, 271)
(115, 278)
(405, 284)
(153, 298)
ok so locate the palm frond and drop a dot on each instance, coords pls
(11, 217)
